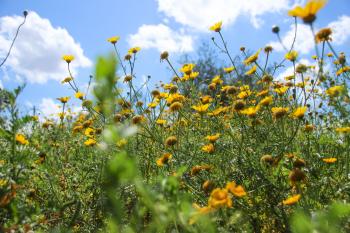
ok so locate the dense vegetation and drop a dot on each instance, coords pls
(230, 150)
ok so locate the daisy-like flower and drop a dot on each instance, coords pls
(219, 198)
(308, 13)
(252, 58)
(113, 39)
(21, 139)
(251, 71)
(213, 138)
(236, 190)
(90, 142)
(299, 112)
(163, 160)
(68, 58)
(134, 50)
(63, 100)
(201, 108)
(229, 69)
(79, 95)
(216, 27)
(292, 56)
(67, 80)
(278, 112)
(209, 148)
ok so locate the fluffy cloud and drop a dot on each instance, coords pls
(305, 43)
(200, 14)
(36, 55)
(49, 108)
(162, 38)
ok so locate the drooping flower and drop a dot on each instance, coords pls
(308, 13)
(291, 200)
(323, 35)
(229, 69)
(67, 80)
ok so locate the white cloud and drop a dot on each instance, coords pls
(49, 108)
(162, 38)
(200, 14)
(36, 55)
(305, 43)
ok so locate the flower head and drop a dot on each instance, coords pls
(236, 190)
(79, 95)
(219, 198)
(113, 39)
(216, 27)
(134, 50)
(209, 148)
(64, 99)
(329, 160)
(299, 112)
(164, 159)
(68, 58)
(308, 13)
(21, 139)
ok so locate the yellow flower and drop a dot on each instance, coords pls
(252, 58)
(281, 90)
(176, 97)
(209, 148)
(196, 169)
(335, 91)
(164, 159)
(171, 141)
(308, 13)
(343, 70)
(299, 112)
(201, 108)
(266, 101)
(121, 143)
(229, 69)
(291, 200)
(63, 99)
(343, 130)
(251, 111)
(236, 190)
(329, 160)
(217, 80)
(292, 55)
(90, 142)
(68, 58)
(134, 50)
(216, 27)
(67, 80)
(113, 39)
(90, 132)
(160, 122)
(251, 71)
(279, 112)
(79, 95)
(213, 138)
(187, 68)
(21, 139)
(219, 198)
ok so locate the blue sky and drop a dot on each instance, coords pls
(175, 25)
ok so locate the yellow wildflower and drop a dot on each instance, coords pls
(79, 95)
(134, 50)
(291, 200)
(299, 112)
(68, 58)
(113, 39)
(329, 160)
(236, 190)
(201, 108)
(343, 130)
(67, 80)
(335, 91)
(308, 13)
(292, 56)
(251, 71)
(252, 58)
(209, 148)
(21, 139)
(164, 159)
(278, 112)
(251, 111)
(219, 198)
(213, 138)
(64, 99)
(266, 101)
(229, 69)
(90, 142)
(216, 27)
